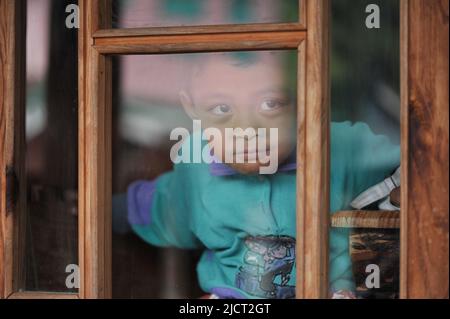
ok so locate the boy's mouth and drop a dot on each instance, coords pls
(253, 151)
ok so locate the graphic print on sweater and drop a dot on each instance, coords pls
(268, 263)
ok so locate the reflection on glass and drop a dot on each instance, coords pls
(204, 163)
(51, 155)
(365, 138)
(154, 13)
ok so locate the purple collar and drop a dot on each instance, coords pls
(220, 169)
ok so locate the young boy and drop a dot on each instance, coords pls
(246, 221)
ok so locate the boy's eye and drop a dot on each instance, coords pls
(221, 109)
(271, 105)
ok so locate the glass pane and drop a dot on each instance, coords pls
(365, 137)
(200, 206)
(51, 155)
(157, 13)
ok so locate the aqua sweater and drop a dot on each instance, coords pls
(246, 224)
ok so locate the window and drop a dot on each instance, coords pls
(365, 91)
(117, 53)
(51, 222)
(159, 97)
(160, 13)
(192, 42)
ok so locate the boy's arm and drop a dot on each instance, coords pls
(340, 273)
(158, 211)
(368, 159)
(374, 158)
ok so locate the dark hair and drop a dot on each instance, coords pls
(245, 59)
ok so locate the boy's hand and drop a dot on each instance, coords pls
(343, 294)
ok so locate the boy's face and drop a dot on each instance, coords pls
(224, 94)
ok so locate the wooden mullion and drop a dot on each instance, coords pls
(313, 156)
(302, 13)
(213, 29)
(94, 156)
(148, 44)
(12, 145)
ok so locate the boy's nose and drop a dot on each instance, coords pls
(248, 118)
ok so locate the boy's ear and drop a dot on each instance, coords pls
(188, 105)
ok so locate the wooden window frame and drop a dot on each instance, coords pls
(12, 144)
(310, 37)
(424, 106)
(98, 41)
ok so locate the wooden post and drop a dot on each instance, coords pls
(12, 144)
(313, 156)
(425, 115)
(94, 143)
